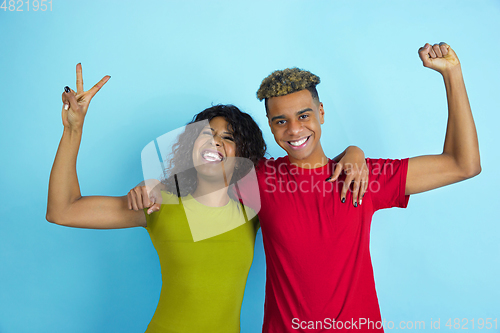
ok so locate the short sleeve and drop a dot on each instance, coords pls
(387, 182)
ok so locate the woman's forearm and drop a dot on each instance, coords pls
(63, 184)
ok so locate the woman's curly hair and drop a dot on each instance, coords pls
(247, 136)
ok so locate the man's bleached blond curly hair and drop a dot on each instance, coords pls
(287, 81)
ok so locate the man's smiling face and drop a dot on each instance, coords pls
(295, 120)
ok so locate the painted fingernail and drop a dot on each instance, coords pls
(360, 201)
(66, 107)
(66, 89)
(343, 200)
(328, 178)
(355, 204)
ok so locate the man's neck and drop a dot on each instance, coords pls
(316, 159)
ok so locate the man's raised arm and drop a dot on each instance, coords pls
(460, 157)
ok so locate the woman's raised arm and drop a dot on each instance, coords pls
(65, 204)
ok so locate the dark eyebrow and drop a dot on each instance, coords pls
(277, 117)
(298, 114)
(303, 111)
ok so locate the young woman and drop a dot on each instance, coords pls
(204, 236)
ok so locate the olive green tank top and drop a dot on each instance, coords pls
(205, 254)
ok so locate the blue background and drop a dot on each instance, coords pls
(168, 60)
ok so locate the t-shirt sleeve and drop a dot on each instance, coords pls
(387, 182)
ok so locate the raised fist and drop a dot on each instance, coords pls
(439, 57)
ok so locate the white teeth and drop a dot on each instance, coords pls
(211, 157)
(298, 143)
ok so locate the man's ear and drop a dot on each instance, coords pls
(321, 113)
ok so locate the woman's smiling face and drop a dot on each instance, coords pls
(214, 151)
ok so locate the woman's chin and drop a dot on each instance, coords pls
(212, 172)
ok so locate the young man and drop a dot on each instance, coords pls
(319, 271)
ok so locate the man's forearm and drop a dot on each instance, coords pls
(461, 137)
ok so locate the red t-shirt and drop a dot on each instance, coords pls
(319, 271)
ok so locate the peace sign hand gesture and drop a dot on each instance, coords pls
(76, 104)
